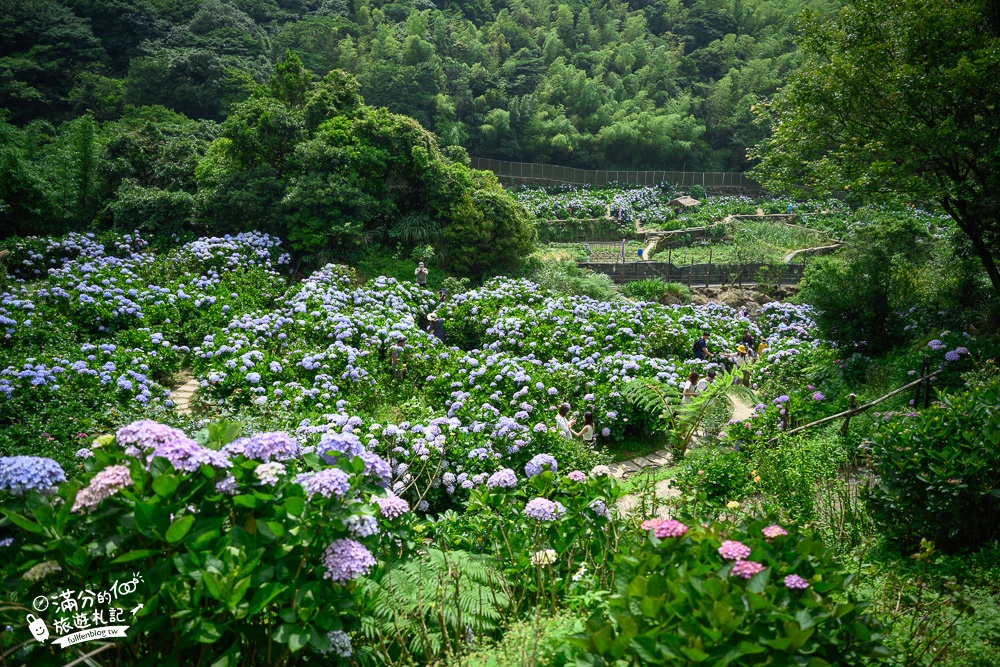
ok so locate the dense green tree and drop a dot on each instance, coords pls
(900, 97)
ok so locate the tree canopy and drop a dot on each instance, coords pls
(899, 98)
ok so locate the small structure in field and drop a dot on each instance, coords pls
(683, 202)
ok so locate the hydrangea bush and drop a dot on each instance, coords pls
(244, 546)
(753, 594)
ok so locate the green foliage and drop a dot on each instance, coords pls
(711, 476)
(676, 601)
(897, 97)
(939, 471)
(564, 277)
(540, 641)
(654, 289)
(424, 608)
(244, 570)
(860, 296)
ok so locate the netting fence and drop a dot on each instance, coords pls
(560, 174)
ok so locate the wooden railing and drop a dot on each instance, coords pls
(922, 394)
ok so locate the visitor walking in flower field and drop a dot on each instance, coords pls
(421, 274)
(563, 423)
(703, 383)
(700, 349)
(589, 432)
(396, 358)
(742, 360)
(748, 342)
(436, 326)
(690, 388)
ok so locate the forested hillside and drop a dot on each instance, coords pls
(664, 84)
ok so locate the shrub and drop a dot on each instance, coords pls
(939, 470)
(713, 475)
(566, 278)
(540, 641)
(683, 599)
(237, 549)
(654, 289)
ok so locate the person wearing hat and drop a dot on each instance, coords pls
(442, 294)
(701, 351)
(742, 361)
(421, 274)
(436, 326)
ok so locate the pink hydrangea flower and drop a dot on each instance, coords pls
(650, 524)
(746, 568)
(671, 528)
(732, 550)
(577, 476)
(774, 531)
(796, 582)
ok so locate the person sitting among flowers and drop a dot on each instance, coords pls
(690, 388)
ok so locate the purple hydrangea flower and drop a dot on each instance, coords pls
(795, 582)
(84, 453)
(577, 476)
(962, 350)
(504, 479)
(327, 483)
(19, 474)
(733, 550)
(669, 528)
(346, 559)
(746, 569)
(345, 444)
(378, 468)
(270, 474)
(361, 525)
(392, 506)
(599, 508)
(540, 428)
(265, 447)
(818, 396)
(952, 355)
(147, 440)
(227, 485)
(543, 509)
(538, 463)
(605, 432)
(781, 399)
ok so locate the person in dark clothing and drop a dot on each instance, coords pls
(436, 326)
(748, 342)
(701, 350)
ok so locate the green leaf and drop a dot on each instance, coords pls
(166, 484)
(758, 582)
(245, 501)
(694, 655)
(264, 595)
(179, 528)
(298, 640)
(239, 590)
(136, 554)
(295, 505)
(24, 523)
(207, 632)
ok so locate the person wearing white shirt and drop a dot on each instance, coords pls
(690, 388)
(703, 383)
(564, 424)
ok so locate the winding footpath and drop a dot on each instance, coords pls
(662, 489)
(183, 392)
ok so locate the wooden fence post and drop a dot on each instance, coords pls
(853, 405)
(708, 274)
(690, 271)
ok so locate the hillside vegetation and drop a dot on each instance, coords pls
(664, 84)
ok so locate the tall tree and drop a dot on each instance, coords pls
(901, 96)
